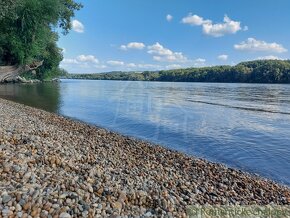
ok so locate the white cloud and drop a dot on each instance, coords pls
(194, 20)
(77, 26)
(123, 47)
(115, 63)
(133, 45)
(220, 29)
(137, 66)
(149, 66)
(209, 28)
(69, 61)
(223, 57)
(81, 59)
(173, 66)
(252, 44)
(163, 54)
(199, 61)
(169, 17)
(269, 57)
(87, 58)
(131, 65)
(100, 66)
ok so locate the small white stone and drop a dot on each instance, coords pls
(64, 215)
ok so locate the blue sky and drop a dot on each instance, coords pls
(137, 35)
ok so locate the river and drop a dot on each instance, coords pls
(245, 126)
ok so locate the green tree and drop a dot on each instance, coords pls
(28, 31)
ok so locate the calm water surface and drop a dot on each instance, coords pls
(246, 126)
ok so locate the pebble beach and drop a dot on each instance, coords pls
(52, 166)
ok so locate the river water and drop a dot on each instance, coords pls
(246, 126)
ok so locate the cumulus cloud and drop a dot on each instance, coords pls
(143, 66)
(87, 58)
(223, 57)
(82, 62)
(194, 20)
(77, 26)
(173, 66)
(199, 61)
(133, 45)
(115, 63)
(269, 57)
(148, 66)
(169, 17)
(162, 54)
(252, 44)
(214, 29)
(69, 61)
(131, 65)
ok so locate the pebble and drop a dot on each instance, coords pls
(18, 207)
(64, 215)
(6, 198)
(64, 168)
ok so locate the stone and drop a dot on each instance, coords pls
(26, 206)
(6, 198)
(18, 207)
(90, 188)
(56, 167)
(117, 205)
(6, 212)
(64, 215)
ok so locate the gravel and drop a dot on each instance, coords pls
(52, 166)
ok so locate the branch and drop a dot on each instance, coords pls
(33, 66)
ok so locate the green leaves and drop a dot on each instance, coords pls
(27, 30)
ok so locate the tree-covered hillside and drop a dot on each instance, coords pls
(28, 33)
(260, 71)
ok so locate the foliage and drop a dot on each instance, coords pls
(261, 71)
(28, 34)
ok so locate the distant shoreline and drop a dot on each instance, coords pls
(170, 81)
(260, 71)
(106, 173)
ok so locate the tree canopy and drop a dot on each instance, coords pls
(29, 32)
(260, 71)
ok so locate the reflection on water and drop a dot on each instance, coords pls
(41, 95)
(242, 125)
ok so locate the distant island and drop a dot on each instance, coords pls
(258, 71)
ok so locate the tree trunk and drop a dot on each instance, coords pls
(10, 73)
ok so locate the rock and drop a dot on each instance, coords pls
(27, 176)
(122, 197)
(55, 80)
(6, 212)
(90, 188)
(18, 207)
(117, 205)
(26, 206)
(148, 214)
(64, 215)
(6, 198)
(34, 212)
(55, 167)
(100, 191)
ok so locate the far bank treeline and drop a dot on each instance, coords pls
(29, 31)
(260, 71)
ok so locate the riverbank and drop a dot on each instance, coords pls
(19, 79)
(53, 165)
